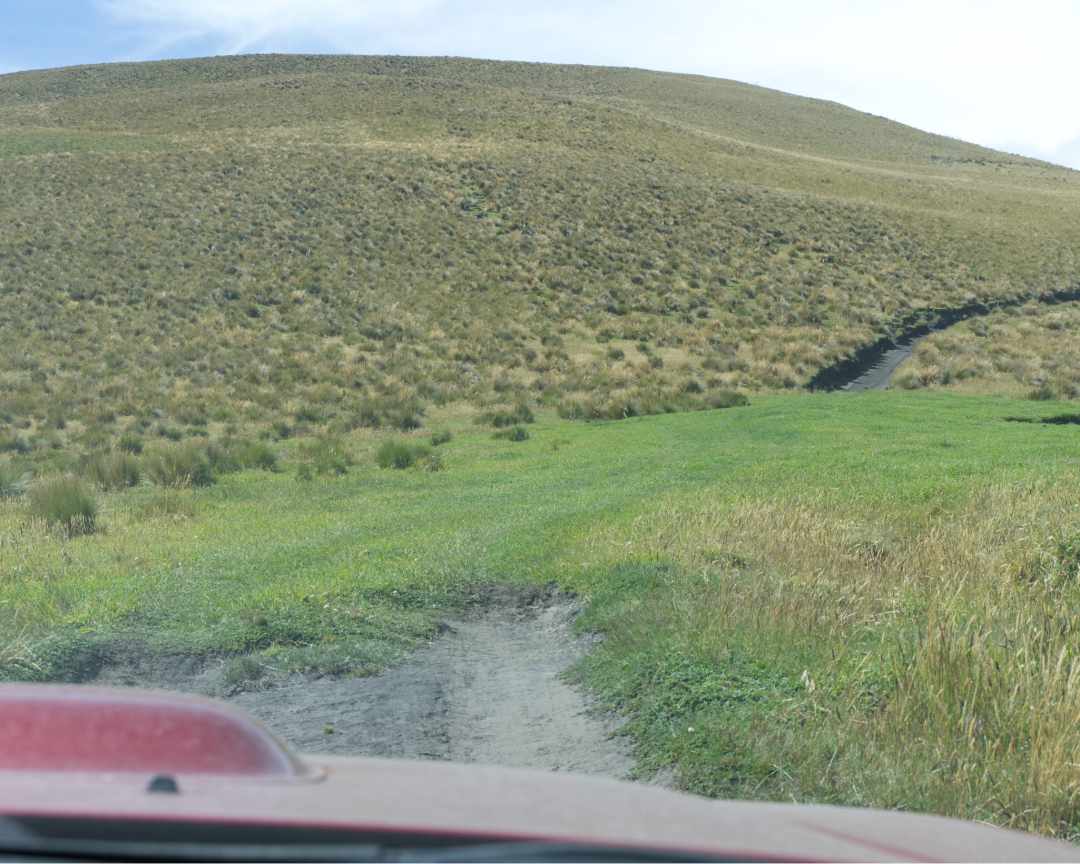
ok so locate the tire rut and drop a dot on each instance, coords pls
(490, 690)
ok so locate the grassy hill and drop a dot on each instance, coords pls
(281, 242)
(221, 281)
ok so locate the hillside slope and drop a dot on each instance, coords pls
(301, 240)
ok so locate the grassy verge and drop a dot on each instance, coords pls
(850, 599)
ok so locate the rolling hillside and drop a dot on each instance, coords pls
(295, 242)
(251, 309)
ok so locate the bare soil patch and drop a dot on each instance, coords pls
(490, 689)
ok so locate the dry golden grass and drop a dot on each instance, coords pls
(958, 625)
(228, 241)
(1032, 351)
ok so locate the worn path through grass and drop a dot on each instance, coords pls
(816, 596)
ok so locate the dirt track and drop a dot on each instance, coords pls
(490, 689)
(879, 376)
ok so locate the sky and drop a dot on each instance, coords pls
(995, 72)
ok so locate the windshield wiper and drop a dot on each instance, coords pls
(241, 844)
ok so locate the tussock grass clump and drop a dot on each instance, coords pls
(520, 413)
(130, 443)
(514, 433)
(179, 465)
(236, 454)
(727, 399)
(257, 454)
(646, 402)
(242, 671)
(327, 455)
(399, 454)
(404, 412)
(14, 479)
(443, 436)
(112, 470)
(15, 444)
(66, 504)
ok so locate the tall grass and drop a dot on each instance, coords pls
(179, 465)
(112, 470)
(930, 665)
(14, 479)
(399, 454)
(64, 503)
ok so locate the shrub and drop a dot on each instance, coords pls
(282, 430)
(441, 437)
(14, 479)
(399, 454)
(112, 470)
(616, 354)
(514, 433)
(179, 466)
(64, 503)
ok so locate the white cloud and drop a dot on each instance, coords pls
(983, 70)
(242, 25)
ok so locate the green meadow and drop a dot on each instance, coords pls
(859, 599)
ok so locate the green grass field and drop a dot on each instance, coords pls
(860, 599)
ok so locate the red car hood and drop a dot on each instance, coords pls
(265, 785)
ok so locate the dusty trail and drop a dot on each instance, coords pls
(489, 689)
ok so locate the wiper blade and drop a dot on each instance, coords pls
(19, 841)
(527, 852)
(105, 850)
